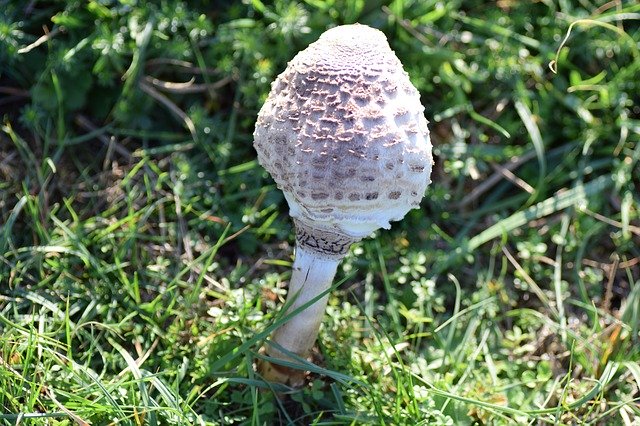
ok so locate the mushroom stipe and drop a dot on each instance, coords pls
(344, 136)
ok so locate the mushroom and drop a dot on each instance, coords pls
(344, 136)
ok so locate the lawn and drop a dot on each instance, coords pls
(145, 254)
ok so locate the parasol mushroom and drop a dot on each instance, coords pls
(344, 136)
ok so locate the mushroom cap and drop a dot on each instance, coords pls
(344, 136)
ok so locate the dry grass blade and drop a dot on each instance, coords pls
(110, 142)
(534, 286)
(492, 180)
(77, 419)
(187, 87)
(553, 65)
(48, 35)
(171, 106)
(632, 228)
(511, 177)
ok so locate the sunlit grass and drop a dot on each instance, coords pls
(144, 254)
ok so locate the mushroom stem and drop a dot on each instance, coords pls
(311, 277)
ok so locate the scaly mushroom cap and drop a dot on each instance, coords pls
(344, 136)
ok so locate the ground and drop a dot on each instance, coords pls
(144, 254)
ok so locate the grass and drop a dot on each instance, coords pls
(144, 253)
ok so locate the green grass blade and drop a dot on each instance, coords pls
(558, 202)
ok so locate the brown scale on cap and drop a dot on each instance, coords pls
(339, 118)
